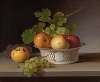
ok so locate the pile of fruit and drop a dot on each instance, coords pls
(43, 40)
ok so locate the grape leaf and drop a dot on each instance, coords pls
(73, 28)
(45, 19)
(47, 30)
(62, 30)
(37, 14)
(59, 19)
(51, 30)
(52, 27)
(27, 36)
(43, 15)
(38, 27)
(41, 24)
(46, 12)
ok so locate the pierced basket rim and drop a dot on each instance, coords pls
(65, 49)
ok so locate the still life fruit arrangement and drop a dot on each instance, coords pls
(54, 36)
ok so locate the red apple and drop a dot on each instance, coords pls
(74, 40)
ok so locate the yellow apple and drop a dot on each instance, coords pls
(20, 54)
(59, 42)
(42, 40)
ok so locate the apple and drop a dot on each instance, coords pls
(42, 40)
(20, 54)
(59, 42)
(74, 40)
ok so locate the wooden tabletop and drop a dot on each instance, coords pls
(88, 65)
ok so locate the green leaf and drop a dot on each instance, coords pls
(39, 27)
(45, 12)
(41, 24)
(59, 19)
(43, 15)
(27, 36)
(62, 30)
(47, 30)
(73, 28)
(52, 27)
(37, 14)
(45, 19)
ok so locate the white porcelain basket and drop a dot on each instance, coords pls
(60, 56)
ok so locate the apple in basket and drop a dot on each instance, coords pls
(42, 40)
(74, 40)
(59, 42)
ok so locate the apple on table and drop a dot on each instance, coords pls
(20, 54)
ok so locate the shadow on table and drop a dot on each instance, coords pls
(91, 57)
